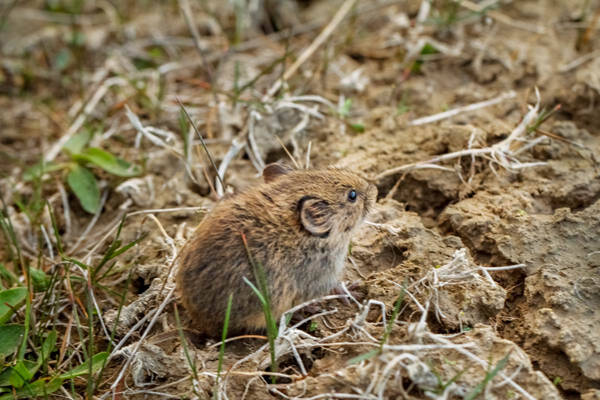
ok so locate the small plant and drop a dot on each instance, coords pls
(24, 374)
(344, 109)
(239, 90)
(262, 292)
(442, 386)
(343, 113)
(557, 380)
(186, 351)
(25, 349)
(542, 117)
(476, 391)
(31, 356)
(386, 332)
(448, 13)
(81, 179)
(403, 106)
(223, 337)
(426, 50)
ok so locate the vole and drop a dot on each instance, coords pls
(297, 224)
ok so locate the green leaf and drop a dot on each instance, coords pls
(83, 183)
(428, 49)
(62, 59)
(9, 299)
(363, 357)
(7, 275)
(344, 110)
(47, 348)
(77, 142)
(360, 128)
(11, 338)
(6, 375)
(402, 108)
(416, 66)
(108, 162)
(83, 369)
(39, 279)
(36, 171)
(37, 389)
(19, 375)
(78, 39)
(27, 369)
(4, 379)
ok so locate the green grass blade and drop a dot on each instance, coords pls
(477, 390)
(114, 329)
(224, 336)
(202, 142)
(363, 357)
(186, 350)
(263, 294)
(392, 320)
(88, 367)
(256, 291)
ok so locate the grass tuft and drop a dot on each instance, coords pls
(262, 292)
(476, 391)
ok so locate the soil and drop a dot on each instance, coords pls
(542, 318)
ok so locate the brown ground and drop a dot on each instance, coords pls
(546, 314)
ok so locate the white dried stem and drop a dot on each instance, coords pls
(499, 153)
(159, 311)
(150, 133)
(579, 61)
(503, 19)
(48, 242)
(237, 144)
(484, 364)
(308, 52)
(455, 111)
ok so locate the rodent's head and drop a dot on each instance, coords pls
(330, 202)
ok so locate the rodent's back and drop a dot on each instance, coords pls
(297, 227)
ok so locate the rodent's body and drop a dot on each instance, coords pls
(298, 227)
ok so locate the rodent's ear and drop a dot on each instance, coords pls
(275, 170)
(315, 216)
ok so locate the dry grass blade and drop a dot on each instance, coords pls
(210, 158)
(309, 51)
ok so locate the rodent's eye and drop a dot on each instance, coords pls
(352, 195)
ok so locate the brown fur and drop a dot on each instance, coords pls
(298, 225)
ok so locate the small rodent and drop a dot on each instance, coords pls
(297, 224)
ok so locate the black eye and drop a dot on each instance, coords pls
(352, 195)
